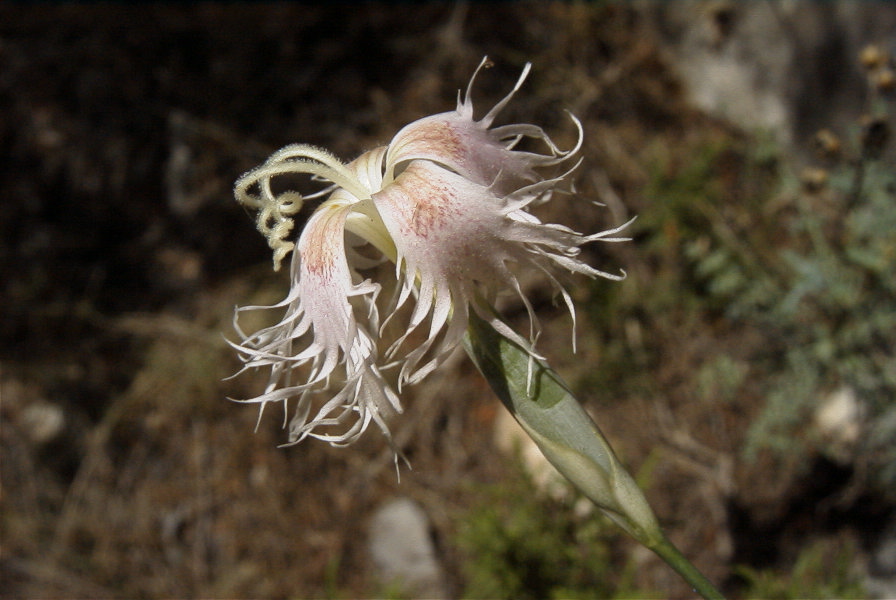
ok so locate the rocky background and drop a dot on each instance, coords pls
(126, 472)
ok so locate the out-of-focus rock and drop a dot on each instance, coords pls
(403, 551)
(43, 421)
(790, 68)
(839, 422)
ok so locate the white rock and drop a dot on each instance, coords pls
(403, 552)
(839, 420)
(43, 421)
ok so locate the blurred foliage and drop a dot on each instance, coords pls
(517, 543)
(825, 298)
(734, 241)
(822, 570)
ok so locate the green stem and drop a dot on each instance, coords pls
(675, 559)
(546, 409)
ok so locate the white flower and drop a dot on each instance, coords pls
(448, 202)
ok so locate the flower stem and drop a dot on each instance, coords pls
(675, 559)
(546, 409)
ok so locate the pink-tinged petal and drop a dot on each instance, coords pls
(473, 150)
(440, 221)
(458, 243)
(460, 144)
(323, 335)
(325, 284)
(451, 239)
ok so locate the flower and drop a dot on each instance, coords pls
(447, 201)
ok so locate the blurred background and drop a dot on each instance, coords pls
(744, 370)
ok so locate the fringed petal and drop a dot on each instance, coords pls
(320, 335)
(448, 201)
(472, 150)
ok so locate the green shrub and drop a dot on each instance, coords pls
(518, 544)
(822, 570)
